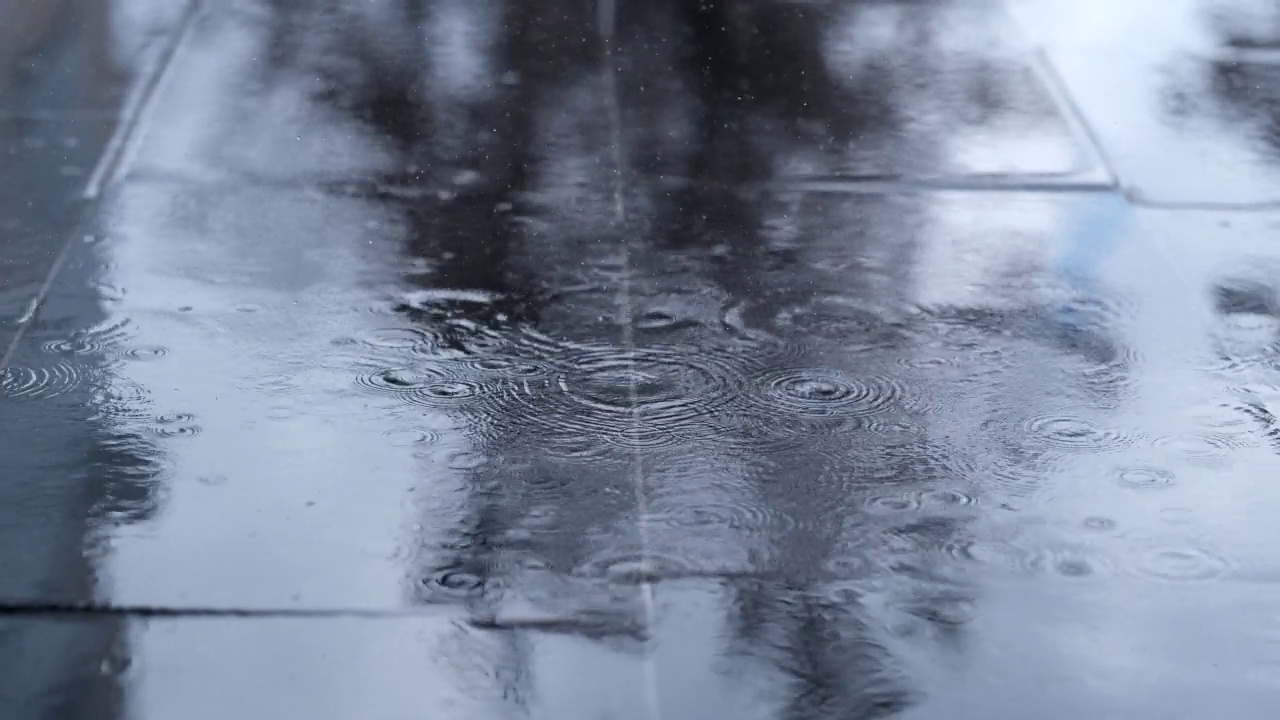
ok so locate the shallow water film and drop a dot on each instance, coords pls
(639, 359)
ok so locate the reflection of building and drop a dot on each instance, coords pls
(63, 47)
(671, 375)
(71, 473)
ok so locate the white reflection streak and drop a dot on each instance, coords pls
(114, 160)
(606, 20)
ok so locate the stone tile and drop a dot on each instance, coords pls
(757, 91)
(1185, 113)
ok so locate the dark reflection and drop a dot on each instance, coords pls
(1235, 85)
(77, 470)
(74, 468)
(664, 374)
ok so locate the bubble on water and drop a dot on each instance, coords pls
(946, 497)
(173, 431)
(656, 320)
(144, 352)
(507, 367)
(1100, 524)
(450, 584)
(892, 504)
(174, 425)
(427, 386)
(1145, 477)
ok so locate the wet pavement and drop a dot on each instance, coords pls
(576, 359)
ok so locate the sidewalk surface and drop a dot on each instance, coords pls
(672, 359)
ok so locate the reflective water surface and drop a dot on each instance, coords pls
(675, 359)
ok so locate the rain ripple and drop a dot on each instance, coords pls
(421, 387)
(47, 381)
(1075, 433)
(745, 516)
(611, 391)
(825, 392)
(88, 342)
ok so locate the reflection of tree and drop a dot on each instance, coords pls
(74, 468)
(76, 472)
(1229, 86)
(715, 96)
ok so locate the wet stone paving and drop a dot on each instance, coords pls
(761, 359)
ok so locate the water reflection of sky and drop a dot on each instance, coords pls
(566, 405)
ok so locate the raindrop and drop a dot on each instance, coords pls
(946, 497)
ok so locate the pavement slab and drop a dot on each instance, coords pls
(510, 359)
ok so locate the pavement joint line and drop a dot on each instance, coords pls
(32, 311)
(108, 165)
(56, 609)
(1138, 200)
(140, 97)
(606, 20)
(1070, 111)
